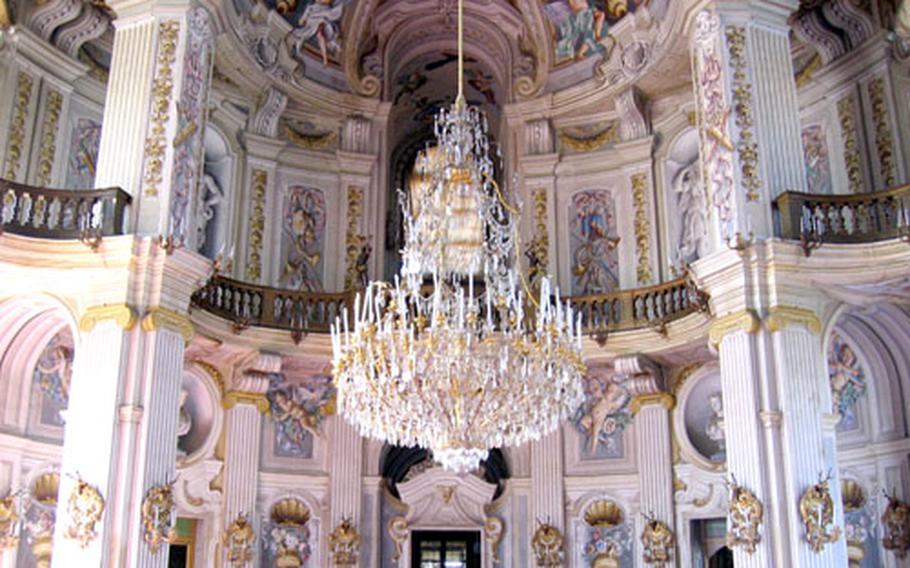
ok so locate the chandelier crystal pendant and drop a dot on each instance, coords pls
(449, 368)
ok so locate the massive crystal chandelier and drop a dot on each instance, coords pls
(431, 361)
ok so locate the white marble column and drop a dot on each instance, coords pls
(121, 423)
(747, 112)
(346, 473)
(548, 501)
(154, 113)
(245, 404)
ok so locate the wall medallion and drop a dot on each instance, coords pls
(158, 516)
(745, 513)
(816, 509)
(548, 546)
(896, 526)
(84, 509)
(657, 541)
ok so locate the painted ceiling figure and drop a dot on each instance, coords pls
(321, 19)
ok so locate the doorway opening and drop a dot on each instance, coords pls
(445, 549)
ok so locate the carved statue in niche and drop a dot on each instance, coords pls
(208, 198)
(592, 225)
(692, 207)
(548, 546)
(896, 525)
(715, 428)
(816, 509)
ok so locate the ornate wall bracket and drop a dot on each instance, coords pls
(9, 522)
(896, 527)
(745, 514)
(816, 509)
(84, 509)
(493, 529)
(238, 540)
(658, 541)
(158, 516)
(344, 544)
(548, 545)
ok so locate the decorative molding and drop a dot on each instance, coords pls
(162, 90)
(742, 107)
(538, 137)
(16, 140)
(780, 317)
(667, 400)
(538, 250)
(816, 510)
(884, 141)
(590, 143)
(265, 120)
(158, 516)
(548, 545)
(257, 399)
(158, 317)
(344, 544)
(746, 515)
(846, 114)
(633, 121)
(354, 241)
(213, 372)
(84, 509)
(238, 540)
(91, 24)
(804, 75)
(49, 138)
(122, 314)
(657, 541)
(745, 320)
(493, 528)
(642, 229)
(257, 225)
(9, 522)
(309, 141)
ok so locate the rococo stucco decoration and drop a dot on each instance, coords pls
(657, 541)
(238, 540)
(548, 545)
(344, 544)
(896, 527)
(288, 535)
(603, 415)
(158, 516)
(816, 509)
(9, 522)
(84, 509)
(299, 409)
(159, 116)
(847, 379)
(745, 518)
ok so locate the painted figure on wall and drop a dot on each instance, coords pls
(316, 23)
(818, 165)
(848, 381)
(83, 155)
(304, 234)
(692, 209)
(580, 26)
(298, 410)
(52, 375)
(595, 265)
(603, 416)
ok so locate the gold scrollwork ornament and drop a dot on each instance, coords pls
(238, 541)
(9, 521)
(158, 510)
(548, 546)
(84, 509)
(896, 527)
(816, 509)
(657, 541)
(344, 544)
(746, 513)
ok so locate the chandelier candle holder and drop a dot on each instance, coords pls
(448, 369)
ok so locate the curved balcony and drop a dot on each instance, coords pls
(62, 213)
(301, 312)
(858, 218)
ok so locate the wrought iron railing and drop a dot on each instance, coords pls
(857, 218)
(252, 305)
(62, 213)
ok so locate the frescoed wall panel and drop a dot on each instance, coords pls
(593, 242)
(303, 239)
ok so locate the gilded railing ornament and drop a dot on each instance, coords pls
(158, 516)
(238, 540)
(9, 522)
(816, 509)
(548, 545)
(344, 544)
(896, 526)
(745, 518)
(84, 509)
(657, 541)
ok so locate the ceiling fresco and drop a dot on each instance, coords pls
(581, 28)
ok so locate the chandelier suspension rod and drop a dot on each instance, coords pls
(459, 101)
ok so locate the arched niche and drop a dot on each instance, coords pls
(215, 200)
(603, 527)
